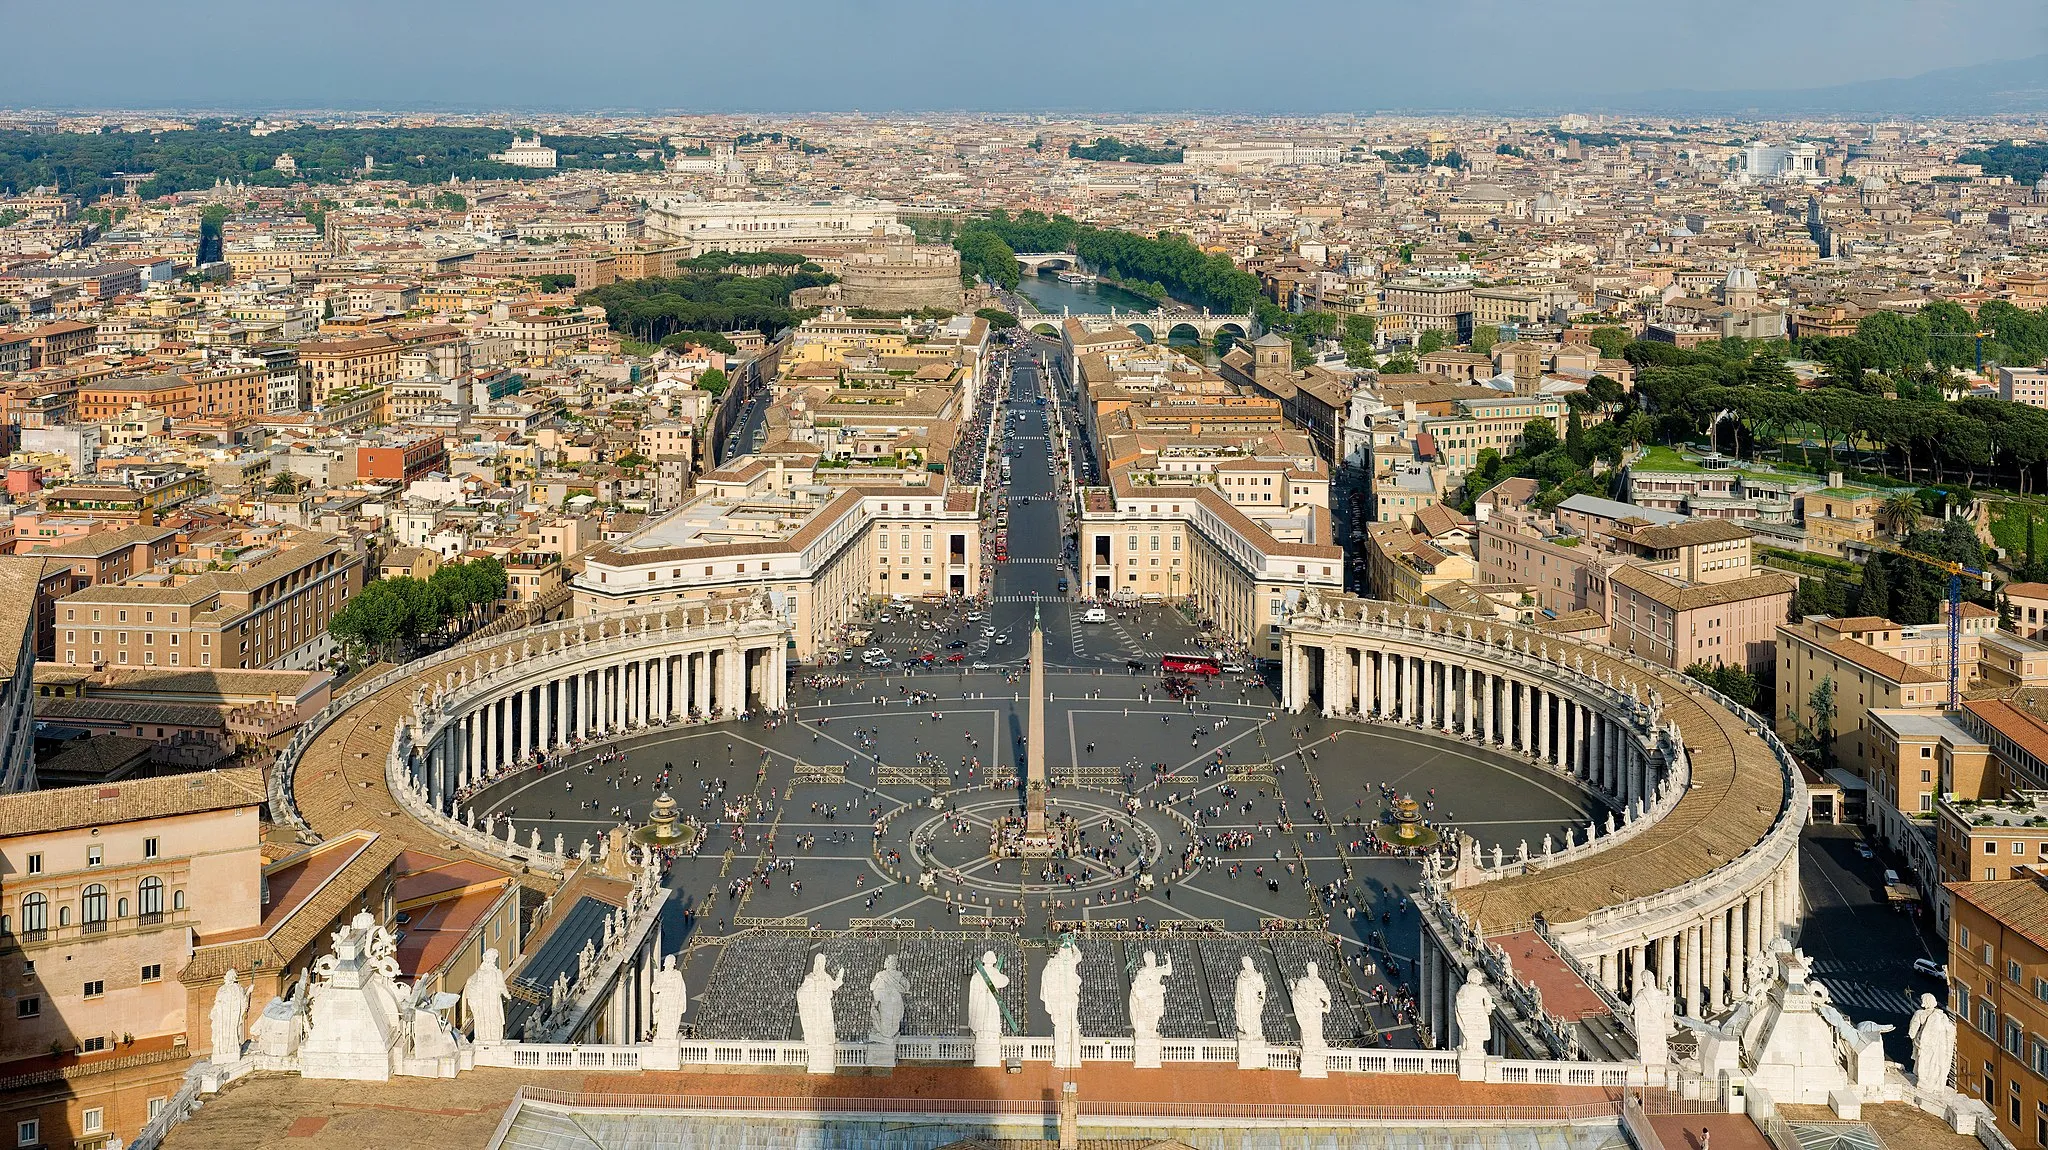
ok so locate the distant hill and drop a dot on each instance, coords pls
(1991, 88)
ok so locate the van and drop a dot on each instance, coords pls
(1891, 877)
(1095, 615)
(1063, 586)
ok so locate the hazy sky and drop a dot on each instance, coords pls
(886, 55)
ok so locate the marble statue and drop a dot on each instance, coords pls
(985, 1009)
(229, 1018)
(1652, 1011)
(1474, 1009)
(1249, 1001)
(1059, 989)
(1311, 997)
(671, 998)
(814, 1013)
(1148, 997)
(889, 988)
(1934, 1044)
(484, 997)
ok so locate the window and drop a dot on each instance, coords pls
(2012, 971)
(28, 1132)
(177, 900)
(150, 896)
(95, 988)
(94, 855)
(153, 972)
(35, 863)
(30, 1006)
(92, 904)
(93, 1120)
(149, 848)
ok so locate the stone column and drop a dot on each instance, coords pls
(1691, 982)
(1635, 968)
(700, 681)
(1482, 705)
(473, 768)
(1667, 949)
(1607, 971)
(1717, 961)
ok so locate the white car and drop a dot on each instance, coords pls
(974, 616)
(874, 653)
(1095, 615)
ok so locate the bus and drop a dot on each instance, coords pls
(1189, 665)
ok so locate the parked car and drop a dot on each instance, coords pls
(1928, 968)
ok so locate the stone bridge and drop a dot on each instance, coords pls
(1156, 326)
(1032, 261)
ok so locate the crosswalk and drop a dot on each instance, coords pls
(1859, 998)
(1852, 993)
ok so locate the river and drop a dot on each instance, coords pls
(1051, 296)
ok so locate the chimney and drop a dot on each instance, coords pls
(1070, 1117)
(1834, 479)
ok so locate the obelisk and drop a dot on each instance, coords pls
(1034, 746)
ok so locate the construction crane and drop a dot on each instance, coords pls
(1955, 573)
(1978, 336)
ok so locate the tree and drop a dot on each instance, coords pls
(1360, 327)
(284, 483)
(1432, 340)
(1538, 436)
(997, 318)
(555, 281)
(1736, 683)
(1817, 737)
(1876, 596)
(713, 381)
(1900, 512)
(1398, 365)
(1610, 340)
(1483, 339)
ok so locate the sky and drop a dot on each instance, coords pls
(1250, 56)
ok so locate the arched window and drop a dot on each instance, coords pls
(177, 900)
(149, 896)
(121, 907)
(35, 913)
(92, 905)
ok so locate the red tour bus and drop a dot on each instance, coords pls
(1189, 665)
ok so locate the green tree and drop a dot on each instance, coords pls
(1610, 340)
(1483, 339)
(713, 381)
(998, 319)
(1360, 327)
(1538, 436)
(1431, 340)
(451, 202)
(1876, 596)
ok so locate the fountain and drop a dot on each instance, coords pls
(665, 826)
(1408, 830)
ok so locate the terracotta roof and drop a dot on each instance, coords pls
(66, 808)
(2019, 905)
(1680, 597)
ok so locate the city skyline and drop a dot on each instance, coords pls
(1594, 55)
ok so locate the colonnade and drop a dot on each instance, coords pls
(1537, 711)
(583, 698)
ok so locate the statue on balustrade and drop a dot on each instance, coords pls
(484, 997)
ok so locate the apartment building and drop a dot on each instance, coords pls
(400, 460)
(270, 608)
(537, 333)
(1998, 979)
(102, 891)
(1917, 757)
(1676, 624)
(820, 551)
(1429, 305)
(1186, 542)
(1872, 662)
(347, 365)
(26, 584)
